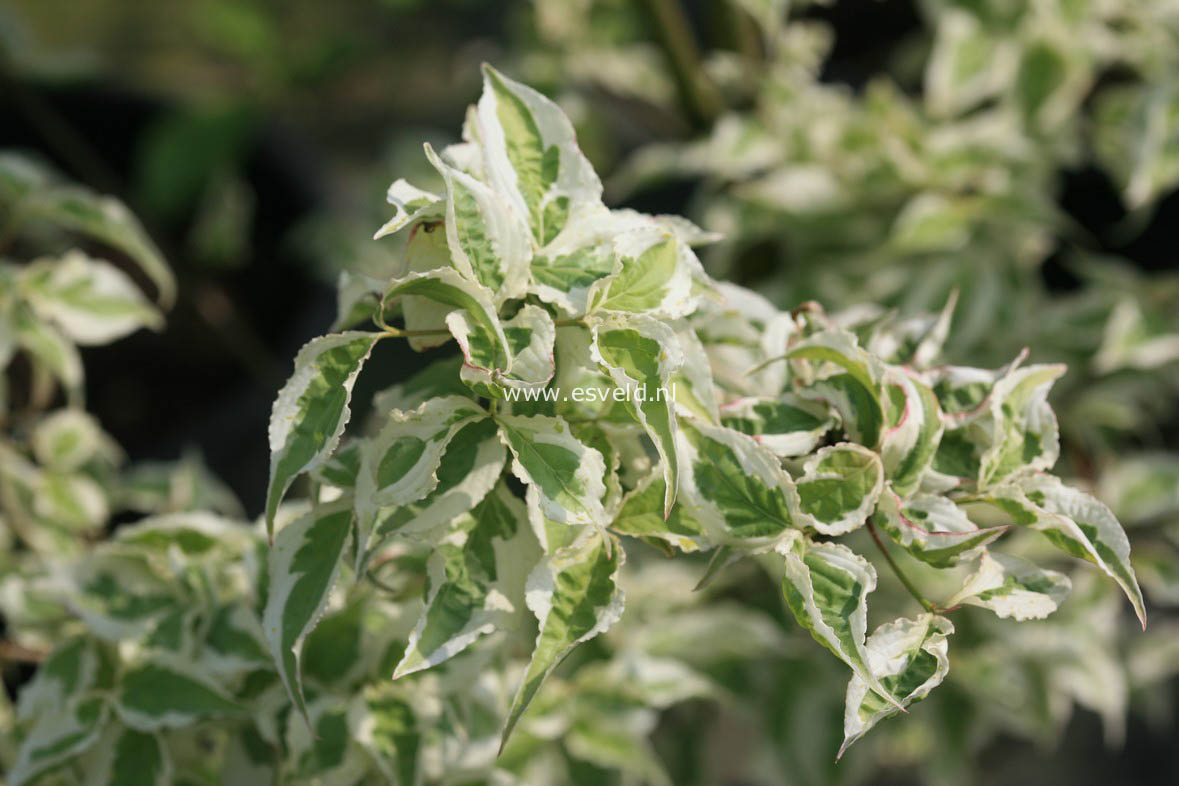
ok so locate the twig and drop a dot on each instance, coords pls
(701, 98)
(912, 588)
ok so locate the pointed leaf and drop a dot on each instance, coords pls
(1084, 527)
(575, 596)
(475, 581)
(826, 586)
(640, 355)
(311, 410)
(304, 562)
(531, 155)
(568, 474)
(932, 528)
(909, 659)
(488, 240)
(1013, 587)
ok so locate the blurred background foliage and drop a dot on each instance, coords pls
(1022, 154)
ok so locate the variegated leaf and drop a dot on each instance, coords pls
(790, 426)
(640, 355)
(826, 586)
(488, 240)
(932, 528)
(311, 410)
(475, 581)
(1013, 587)
(575, 596)
(568, 475)
(304, 562)
(839, 487)
(908, 658)
(736, 488)
(531, 156)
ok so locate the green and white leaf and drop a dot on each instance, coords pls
(652, 275)
(127, 757)
(1024, 429)
(790, 426)
(69, 438)
(488, 240)
(475, 581)
(932, 528)
(1013, 587)
(531, 157)
(59, 736)
(575, 596)
(736, 488)
(640, 355)
(569, 476)
(304, 562)
(108, 220)
(908, 657)
(163, 694)
(909, 444)
(411, 205)
(1084, 527)
(91, 301)
(826, 586)
(641, 516)
(530, 336)
(400, 464)
(469, 469)
(311, 410)
(839, 487)
(846, 376)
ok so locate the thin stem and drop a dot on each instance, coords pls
(912, 588)
(700, 96)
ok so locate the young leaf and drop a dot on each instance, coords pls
(446, 287)
(530, 336)
(1013, 587)
(1024, 430)
(909, 445)
(304, 562)
(311, 410)
(908, 658)
(855, 391)
(411, 205)
(826, 586)
(531, 156)
(839, 487)
(488, 240)
(641, 354)
(575, 596)
(568, 475)
(475, 581)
